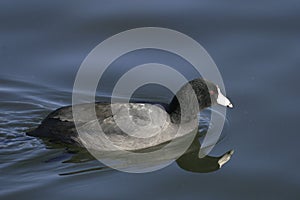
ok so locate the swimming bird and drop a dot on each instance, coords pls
(147, 124)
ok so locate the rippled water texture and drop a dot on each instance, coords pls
(255, 44)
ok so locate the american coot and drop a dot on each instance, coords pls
(59, 125)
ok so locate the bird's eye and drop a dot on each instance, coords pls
(211, 92)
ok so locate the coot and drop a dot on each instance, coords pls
(159, 124)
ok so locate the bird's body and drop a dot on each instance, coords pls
(130, 126)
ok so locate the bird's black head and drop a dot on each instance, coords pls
(207, 94)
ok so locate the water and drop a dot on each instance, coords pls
(255, 45)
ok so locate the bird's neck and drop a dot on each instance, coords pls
(183, 107)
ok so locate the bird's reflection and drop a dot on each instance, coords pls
(189, 161)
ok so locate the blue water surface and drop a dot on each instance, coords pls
(255, 45)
